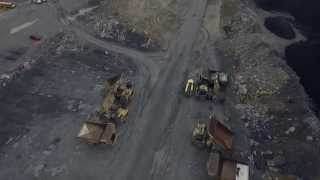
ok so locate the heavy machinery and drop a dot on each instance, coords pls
(214, 82)
(216, 133)
(116, 100)
(95, 131)
(100, 128)
(209, 84)
(7, 5)
(222, 168)
(189, 89)
(218, 137)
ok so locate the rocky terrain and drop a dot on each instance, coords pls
(274, 106)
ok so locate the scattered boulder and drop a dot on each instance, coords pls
(309, 138)
(5, 76)
(280, 26)
(290, 130)
(267, 154)
(277, 161)
(38, 168)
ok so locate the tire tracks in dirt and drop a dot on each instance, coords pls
(163, 105)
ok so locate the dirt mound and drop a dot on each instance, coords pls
(154, 17)
(280, 27)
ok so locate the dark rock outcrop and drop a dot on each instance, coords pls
(280, 26)
(305, 12)
(304, 59)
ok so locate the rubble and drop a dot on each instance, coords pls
(267, 154)
(112, 29)
(38, 169)
(277, 161)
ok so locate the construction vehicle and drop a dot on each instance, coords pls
(123, 92)
(216, 133)
(116, 113)
(215, 80)
(189, 89)
(100, 128)
(7, 5)
(209, 85)
(95, 131)
(211, 76)
(218, 137)
(116, 100)
(222, 168)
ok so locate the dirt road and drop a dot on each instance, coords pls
(154, 151)
(155, 143)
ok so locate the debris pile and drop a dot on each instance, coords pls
(151, 28)
(115, 31)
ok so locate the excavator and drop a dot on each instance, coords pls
(100, 128)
